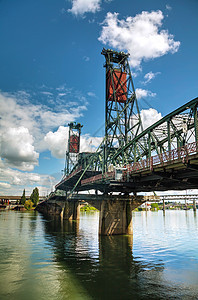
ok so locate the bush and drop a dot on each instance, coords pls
(87, 208)
(28, 204)
(154, 206)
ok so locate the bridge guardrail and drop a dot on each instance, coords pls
(69, 176)
(163, 159)
(108, 175)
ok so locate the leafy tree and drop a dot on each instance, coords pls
(35, 196)
(23, 198)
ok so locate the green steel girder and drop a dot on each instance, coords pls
(169, 133)
(139, 150)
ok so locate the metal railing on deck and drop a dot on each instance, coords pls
(106, 176)
(165, 158)
(69, 176)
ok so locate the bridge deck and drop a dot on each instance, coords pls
(176, 170)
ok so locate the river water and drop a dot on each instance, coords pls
(46, 258)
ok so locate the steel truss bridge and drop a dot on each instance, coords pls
(132, 158)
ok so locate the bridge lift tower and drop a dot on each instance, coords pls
(122, 115)
(73, 149)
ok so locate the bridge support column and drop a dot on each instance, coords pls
(164, 206)
(194, 205)
(116, 217)
(71, 210)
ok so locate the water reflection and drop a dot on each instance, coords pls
(48, 258)
(106, 268)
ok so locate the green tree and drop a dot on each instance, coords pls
(23, 198)
(35, 196)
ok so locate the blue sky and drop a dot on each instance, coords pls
(52, 73)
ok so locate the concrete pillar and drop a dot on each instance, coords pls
(116, 217)
(164, 207)
(70, 226)
(194, 205)
(71, 210)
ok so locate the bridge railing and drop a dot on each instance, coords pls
(69, 176)
(168, 157)
(99, 177)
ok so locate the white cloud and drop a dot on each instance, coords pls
(141, 93)
(13, 182)
(150, 76)
(89, 144)
(5, 185)
(80, 7)
(16, 147)
(149, 117)
(139, 35)
(23, 124)
(57, 141)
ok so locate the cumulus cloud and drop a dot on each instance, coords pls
(16, 147)
(89, 143)
(80, 7)
(141, 93)
(57, 141)
(149, 117)
(24, 123)
(5, 185)
(139, 35)
(12, 181)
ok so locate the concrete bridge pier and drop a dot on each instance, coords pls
(164, 206)
(71, 210)
(194, 205)
(116, 217)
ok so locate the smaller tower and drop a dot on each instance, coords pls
(73, 148)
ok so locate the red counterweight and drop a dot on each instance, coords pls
(118, 84)
(74, 144)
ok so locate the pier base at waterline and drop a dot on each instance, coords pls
(116, 217)
(194, 205)
(71, 210)
(115, 210)
(66, 209)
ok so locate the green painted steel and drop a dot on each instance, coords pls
(126, 142)
(122, 115)
(173, 131)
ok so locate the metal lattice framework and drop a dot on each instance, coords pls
(122, 115)
(174, 131)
